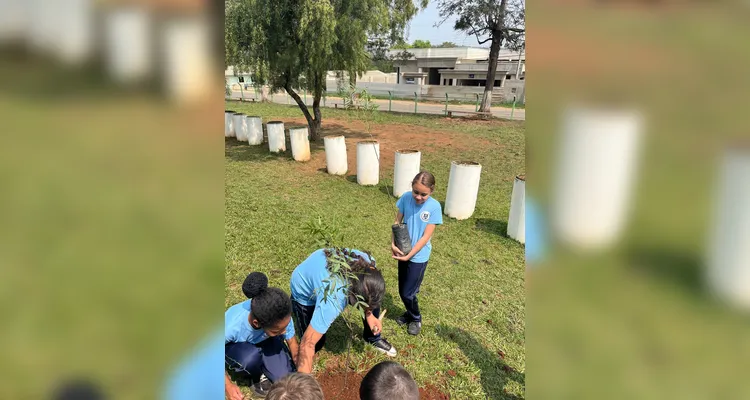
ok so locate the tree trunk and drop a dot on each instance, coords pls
(264, 94)
(497, 38)
(313, 122)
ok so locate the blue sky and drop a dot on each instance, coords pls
(422, 27)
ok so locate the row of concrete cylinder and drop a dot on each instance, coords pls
(463, 182)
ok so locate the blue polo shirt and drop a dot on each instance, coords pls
(308, 289)
(416, 218)
(237, 328)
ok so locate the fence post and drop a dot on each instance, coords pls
(415, 102)
(513, 109)
(390, 99)
(256, 92)
(476, 108)
(324, 99)
(446, 103)
(242, 92)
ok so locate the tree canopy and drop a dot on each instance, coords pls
(291, 44)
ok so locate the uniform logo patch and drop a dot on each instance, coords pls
(425, 216)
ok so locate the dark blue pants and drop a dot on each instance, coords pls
(410, 275)
(303, 315)
(269, 357)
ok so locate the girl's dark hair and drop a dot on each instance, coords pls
(426, 179)
(369, 284)
(388, 380)
(269, 305)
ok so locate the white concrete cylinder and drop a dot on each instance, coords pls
(300, 142)
(75, 42)
(406, 167)
(368, 162)
(336, 163)
(187, 59)
(463, 188)
(254, 130)
(728, 271)
(517, 215)
(596, 166)
(276, 138)
(228, 124)
(239, 123)
(128, 44)
(43, 26)
(14, 21)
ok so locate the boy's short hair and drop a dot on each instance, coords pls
(388, 380)
(296, 386)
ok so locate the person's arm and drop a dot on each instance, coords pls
(395, 250)
(233, 391)
(307, 350)
(293, 348)
(428, 231)
(374, 323)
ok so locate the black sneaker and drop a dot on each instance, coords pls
(402, 320)
(414, 328)
(261, 388)
(384, 347)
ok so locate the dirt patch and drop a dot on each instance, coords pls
(344, 385)
(392, 137)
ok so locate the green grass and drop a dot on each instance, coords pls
(472, 298)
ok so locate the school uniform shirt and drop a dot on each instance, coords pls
(416, 218)
(237, 328)
(308, 289)
(200, 375)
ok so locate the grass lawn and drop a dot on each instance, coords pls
(473, 296)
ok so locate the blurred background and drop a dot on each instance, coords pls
(640, 279)
(111, 199)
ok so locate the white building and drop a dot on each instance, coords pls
(457, 66)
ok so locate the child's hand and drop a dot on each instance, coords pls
(396, 251)
(402, 257)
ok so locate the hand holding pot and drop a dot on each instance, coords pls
(403, 257)
(395, 250)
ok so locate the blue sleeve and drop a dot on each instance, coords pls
(436, 215)
(289, 330)
(200, 376)
(400, 203)
(327, 311)
(230, 330)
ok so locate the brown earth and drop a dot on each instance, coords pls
(340, 384)
(391, 137)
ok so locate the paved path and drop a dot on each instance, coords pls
(397, 105)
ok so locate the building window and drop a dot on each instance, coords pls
(513, 90)
(507, 76)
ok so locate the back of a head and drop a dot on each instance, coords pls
(296, 386)
(269, 305)
(370, 283)
(388, 380)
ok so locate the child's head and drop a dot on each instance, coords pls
(369, 284)
(422, 186)
(296, 386)
(271, 308)
(388, 380)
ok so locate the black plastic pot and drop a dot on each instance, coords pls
(401, 238)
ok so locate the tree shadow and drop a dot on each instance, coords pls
(242, 151)
(351, 178)
(387, 190)
(499, 228)
(338, 334)
(495, 372)
(683, 268)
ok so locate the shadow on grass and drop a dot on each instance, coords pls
(683, 268)
(495, 372)
(499, 228)
(242, 151)
(338, 334)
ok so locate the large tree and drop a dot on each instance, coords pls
(290, 45)
(501, 22)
